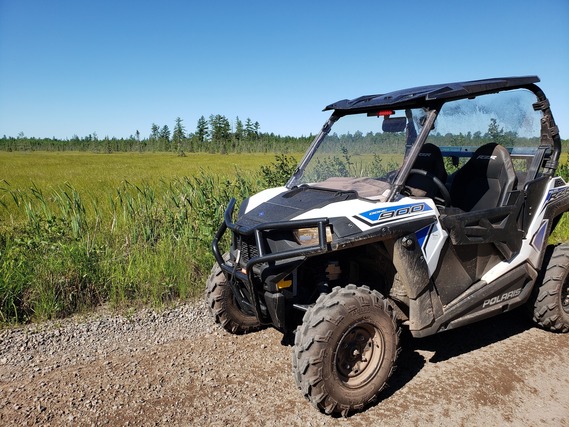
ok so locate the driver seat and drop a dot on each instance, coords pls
(430, 159)
(485, 181)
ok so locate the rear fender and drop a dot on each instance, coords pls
(413, 273)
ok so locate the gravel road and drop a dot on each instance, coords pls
(177, 367)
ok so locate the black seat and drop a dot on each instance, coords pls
(430, 159)
(485, 181)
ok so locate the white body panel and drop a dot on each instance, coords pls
(532, 245)
(368, 214)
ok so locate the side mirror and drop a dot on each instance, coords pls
(393, 124)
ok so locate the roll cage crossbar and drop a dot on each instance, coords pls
(429, 96)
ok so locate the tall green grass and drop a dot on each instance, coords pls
(80, 230)
(146, 243)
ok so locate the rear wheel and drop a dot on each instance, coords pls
(551, 298)
(224, 307)
(345, 349)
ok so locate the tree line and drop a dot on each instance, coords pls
(215, 135)
(218, 135)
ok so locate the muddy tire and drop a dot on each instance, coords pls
(345, 349)
(551, 297)
(223, 307)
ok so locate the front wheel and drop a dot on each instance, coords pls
(345, 349)
(223, 306)
(551, 298)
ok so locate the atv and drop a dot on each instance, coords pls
(427, 208)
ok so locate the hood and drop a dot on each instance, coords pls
(292, 203)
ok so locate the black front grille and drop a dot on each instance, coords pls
(247, 247)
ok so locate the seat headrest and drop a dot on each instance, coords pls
(485, 180)
(491, 159)
(430, 159)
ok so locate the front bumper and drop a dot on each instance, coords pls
(263, 255)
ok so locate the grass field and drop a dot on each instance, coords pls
(78, 230)
(98, 172)
(98, 177)
(64, 165)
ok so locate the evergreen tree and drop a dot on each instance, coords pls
(178, 136)
(249, 129)
(494, 130)
(155, 132)
(238, 134)
(202, 130)
(239, 130)
(220, 131)
(165, 137)
(154, 136)
(498, 135)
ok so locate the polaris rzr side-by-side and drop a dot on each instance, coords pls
(426, 208)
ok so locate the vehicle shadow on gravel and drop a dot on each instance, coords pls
(452, 343)
(472, 337)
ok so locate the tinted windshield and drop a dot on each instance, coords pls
(506, 118)
(362, 146)
(371, 149)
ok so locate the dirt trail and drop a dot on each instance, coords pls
(178, 368)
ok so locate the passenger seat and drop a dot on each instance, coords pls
(485, 181)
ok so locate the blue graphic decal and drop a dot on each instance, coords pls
(539, 238)
(422, 236)
(378, 215)
(554, 194)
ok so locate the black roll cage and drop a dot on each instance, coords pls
(432, 98)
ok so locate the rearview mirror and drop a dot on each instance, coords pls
(393, 124)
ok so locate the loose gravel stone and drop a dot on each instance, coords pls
(176, 367)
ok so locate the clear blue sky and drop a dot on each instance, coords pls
(113, 67)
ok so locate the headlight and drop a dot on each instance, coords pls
(309, 236)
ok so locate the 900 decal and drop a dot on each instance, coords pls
(375, 216)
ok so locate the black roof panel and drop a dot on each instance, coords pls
(425, 95)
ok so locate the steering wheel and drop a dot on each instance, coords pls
(442, 188)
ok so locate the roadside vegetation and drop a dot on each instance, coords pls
(66, 247)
